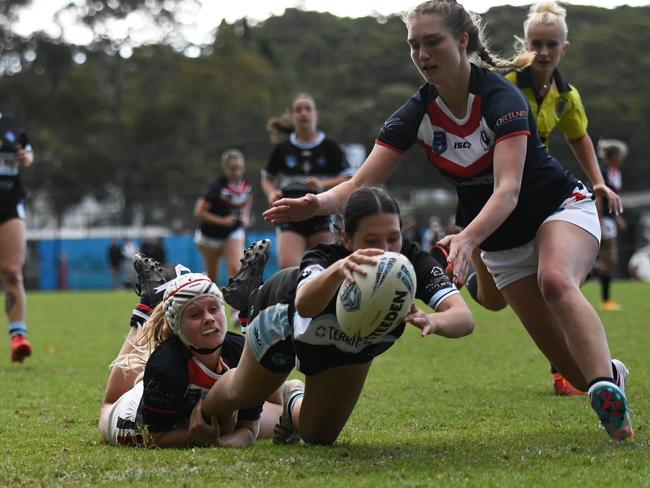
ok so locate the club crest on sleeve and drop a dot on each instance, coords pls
(486, 140)
(560, 107)
(393, 122)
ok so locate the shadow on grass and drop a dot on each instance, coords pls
(370, 458)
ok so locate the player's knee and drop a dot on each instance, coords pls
(555, 285)
(103, 421)
(11, 275)
(318, 437)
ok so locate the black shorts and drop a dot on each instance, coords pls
(307, 228)
(285, 354)
(271, 311)
(9, 211)
(316, 359)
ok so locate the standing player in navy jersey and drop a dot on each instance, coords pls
(612, 153)
(536, 225)
(15, 153)
(224, 213)
(554, 103)
(293, 324)
(306, 162)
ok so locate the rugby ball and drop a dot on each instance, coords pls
(377, 303)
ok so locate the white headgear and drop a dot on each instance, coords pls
(182, 291)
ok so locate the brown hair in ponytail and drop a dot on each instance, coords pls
(458, 22)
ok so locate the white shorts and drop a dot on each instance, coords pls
(119, 422)
(511, 265)
(216, 243)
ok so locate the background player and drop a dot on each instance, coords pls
(307, 161)
(15, 154)
(224, 213)
(612, 153)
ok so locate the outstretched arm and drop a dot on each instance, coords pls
(452, 318)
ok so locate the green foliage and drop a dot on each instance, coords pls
(477, 411)
(161, 115)
(608, 63)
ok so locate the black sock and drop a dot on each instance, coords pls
(596, 380)
(244, 315)
(605, 281)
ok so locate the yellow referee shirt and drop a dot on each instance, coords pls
(560, 107)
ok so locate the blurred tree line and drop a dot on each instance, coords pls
(147, 128)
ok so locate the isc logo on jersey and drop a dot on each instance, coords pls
(377, 303)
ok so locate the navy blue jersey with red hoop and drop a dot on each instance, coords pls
(174, 382)
(463, 151)
(225, 198)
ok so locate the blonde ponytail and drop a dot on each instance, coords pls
(152, 333)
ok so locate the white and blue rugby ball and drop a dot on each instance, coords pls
(377, 303)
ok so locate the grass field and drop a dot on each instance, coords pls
(476, 411)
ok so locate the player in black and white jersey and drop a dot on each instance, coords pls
(15, 153)
(306, 162)
(173, 355)
(224, 213)
(536, 224)
(612, 152)
(294, 325)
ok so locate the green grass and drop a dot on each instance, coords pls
(471, 412)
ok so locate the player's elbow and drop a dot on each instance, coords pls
(509, 196)
(304, 308)
(462, 320)
(465, 323)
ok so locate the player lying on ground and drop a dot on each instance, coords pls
(176, 350)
